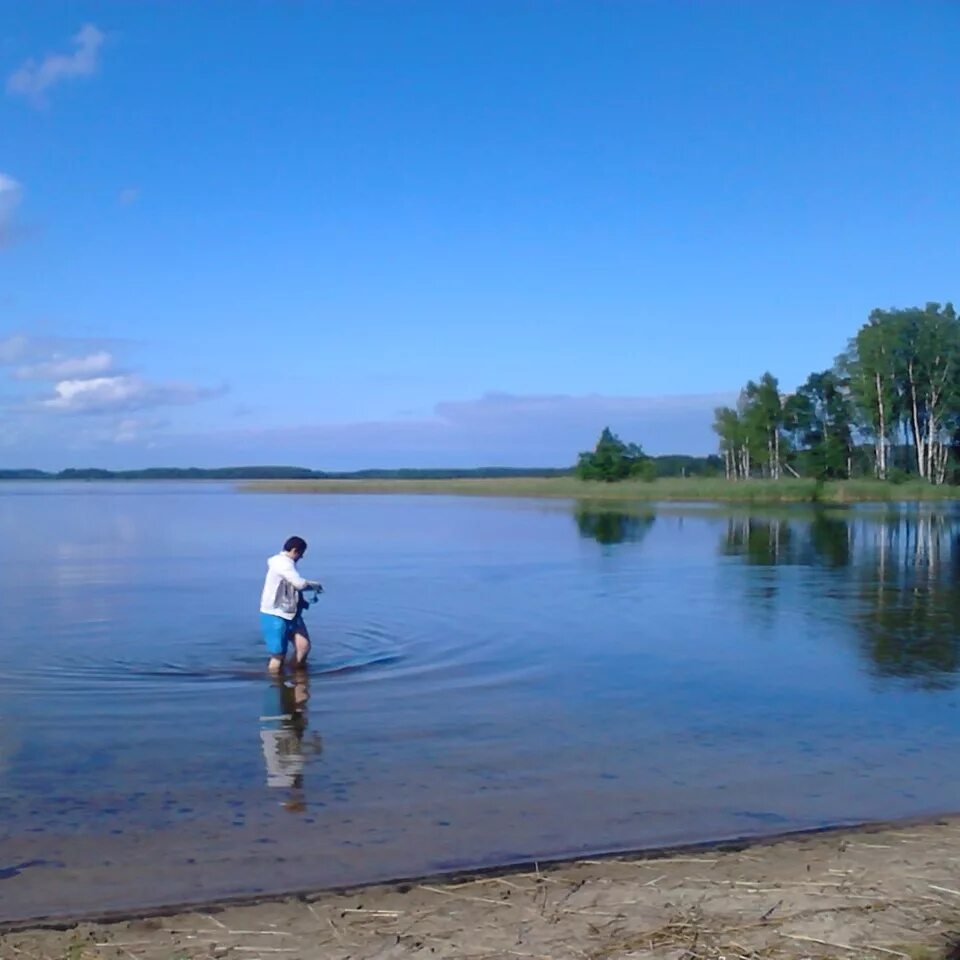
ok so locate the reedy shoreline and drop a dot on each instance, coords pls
(664, 489)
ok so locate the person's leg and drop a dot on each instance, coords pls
(301, 644)
(275, 630)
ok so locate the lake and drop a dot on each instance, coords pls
(494, 681)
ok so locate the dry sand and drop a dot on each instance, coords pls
(870, 892)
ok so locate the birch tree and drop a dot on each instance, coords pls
(869, 369)
(763, 417)
(925, 351)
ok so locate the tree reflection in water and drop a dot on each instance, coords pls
(895, 571)
(608, 526)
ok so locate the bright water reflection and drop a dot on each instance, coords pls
(493, 681)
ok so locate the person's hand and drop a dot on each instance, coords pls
(317, 586)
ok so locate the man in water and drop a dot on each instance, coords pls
(281, 604)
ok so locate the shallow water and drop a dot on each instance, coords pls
(493, 681)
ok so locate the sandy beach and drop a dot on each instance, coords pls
(867, 892)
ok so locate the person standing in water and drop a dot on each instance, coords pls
(281, 605)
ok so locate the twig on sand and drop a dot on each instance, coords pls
(266, 949)
(845, 946)
(659, 860)
(458, 896)
(769, 913)
(651, 864)
(501, 880)
(373, 913)
(933, 886)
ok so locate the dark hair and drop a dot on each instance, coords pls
(296, 543)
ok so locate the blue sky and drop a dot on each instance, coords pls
(459, 232)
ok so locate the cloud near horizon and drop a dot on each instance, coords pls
(70, 397)
(33, 79)
(496, 429)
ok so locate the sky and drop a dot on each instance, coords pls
(451, 232)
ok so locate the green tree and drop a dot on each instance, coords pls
(869, 369)
(763, 418)
(819, 420)
(751, 434)
(612, 459)
(902, 368)
(729, 428)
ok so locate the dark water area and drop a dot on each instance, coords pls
(493, 681)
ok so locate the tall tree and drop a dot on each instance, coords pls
(763, 418)
(819, 417)
(729, 428)
(869, 369)
(926, 349)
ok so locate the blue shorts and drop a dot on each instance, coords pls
(277, 633)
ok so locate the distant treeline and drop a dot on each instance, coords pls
(667, 466)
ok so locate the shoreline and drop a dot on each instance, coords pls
(678, 490)
(873, 889)
(667, 489)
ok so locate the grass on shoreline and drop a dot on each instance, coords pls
(664, 489)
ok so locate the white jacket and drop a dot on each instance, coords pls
(282, 586)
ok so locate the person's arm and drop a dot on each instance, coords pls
(288, 570)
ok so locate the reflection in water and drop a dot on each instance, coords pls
(759, 541)
(911, 617)
(613, 526)
(902, 568)
(283, 727)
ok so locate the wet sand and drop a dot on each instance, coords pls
(867, 892)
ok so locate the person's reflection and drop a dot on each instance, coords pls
(283, 727)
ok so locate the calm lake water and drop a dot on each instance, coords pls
(494, 681)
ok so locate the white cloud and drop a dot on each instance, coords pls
(84, 379)
(66, 368)
(34, 79)
(120, 394)
(10, 194)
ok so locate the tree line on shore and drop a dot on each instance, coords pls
(889, 406)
